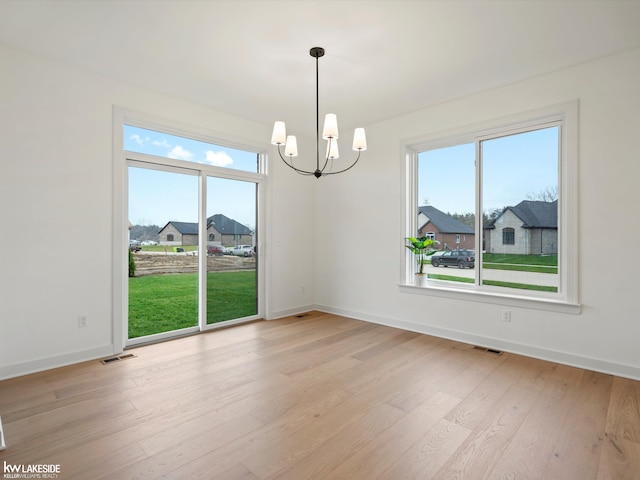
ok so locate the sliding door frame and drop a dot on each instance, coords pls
(122, 160)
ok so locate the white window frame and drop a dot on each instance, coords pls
(566, 300)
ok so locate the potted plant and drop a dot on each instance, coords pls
(420, 248)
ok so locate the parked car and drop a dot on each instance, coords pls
(458, 258)
(147, 243)
(242, 251)
(215, 250)
(134, 246)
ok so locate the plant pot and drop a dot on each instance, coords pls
(421, 279)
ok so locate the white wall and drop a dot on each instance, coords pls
(337, 243)
(56, 209)
(359, 225)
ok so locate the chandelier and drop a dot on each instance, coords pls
(329, 133)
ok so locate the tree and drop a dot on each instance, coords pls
(145, 232)
(549, 194)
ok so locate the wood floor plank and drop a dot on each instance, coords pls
(323, 397)
(377, 455)
(344, 443)
(490, 437)
(531, 447)
(427, 456)
(576, 454)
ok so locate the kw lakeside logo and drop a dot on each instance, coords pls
(30, 471)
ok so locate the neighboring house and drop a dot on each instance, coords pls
(529, 228)
(451, 233)
(220, 231)
(179, 233)
(228, 232)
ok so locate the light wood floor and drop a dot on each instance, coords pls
(323, 397)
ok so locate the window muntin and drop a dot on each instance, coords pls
(560, 122)
(508, 236)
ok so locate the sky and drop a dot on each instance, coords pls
(157, 197)
(512, 168)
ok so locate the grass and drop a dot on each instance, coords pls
(520, 268)
(495, 283)
(161, 303)
(545, 260)
(523, 263)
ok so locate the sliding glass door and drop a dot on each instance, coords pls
(231, 242)
(163, 245)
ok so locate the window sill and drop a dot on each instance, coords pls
(547, 304)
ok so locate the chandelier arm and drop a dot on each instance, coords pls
(348, 168)
(290, 165)
(326, 161)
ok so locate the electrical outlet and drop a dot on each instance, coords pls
(82, 321)
(506, 315)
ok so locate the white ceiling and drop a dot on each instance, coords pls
(383, 58)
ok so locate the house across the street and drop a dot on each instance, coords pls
(450, 232)
(221, 230)
(529, 228)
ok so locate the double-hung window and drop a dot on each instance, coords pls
(508, 188)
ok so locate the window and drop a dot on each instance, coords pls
(212, 237)
(169, 237)
(162, 144)
(504, 191)
(508, 236)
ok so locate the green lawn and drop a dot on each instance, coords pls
(543, 260)
(496, 283)
(523, 263)
(161, 303)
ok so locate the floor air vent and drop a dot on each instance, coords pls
(107, 361)
(489, 350)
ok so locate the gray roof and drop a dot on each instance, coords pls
(443, 222)
(227, 226)
(536, 214)
(185, 228)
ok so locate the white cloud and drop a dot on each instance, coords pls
(162, 143)
(136, 138)
(218, 159)
(180, 153)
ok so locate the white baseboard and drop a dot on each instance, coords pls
(42, 364)
(588, 363)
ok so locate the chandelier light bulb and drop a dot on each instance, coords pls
(332, 149)
(330, 129)
(291, 148)
(279, 135)
(359, 140)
